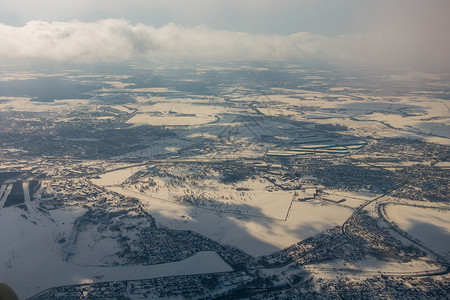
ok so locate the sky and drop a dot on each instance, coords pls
(403, 33)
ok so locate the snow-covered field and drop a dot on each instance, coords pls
(176, 112)
(255, 235)
(169, 120)
(431, 226)
(410, 115)
(115, 177)
(248, 198)
(369, 267)
(25, 104)
(37, 248)
(31, 259)
(352, 199)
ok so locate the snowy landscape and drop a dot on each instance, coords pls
(224, 180)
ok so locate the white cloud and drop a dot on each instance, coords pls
(114, 39)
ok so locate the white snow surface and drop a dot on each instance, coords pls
(115, 177)
(429, 225)
(369, 267)
(31, 259)
(254, 235)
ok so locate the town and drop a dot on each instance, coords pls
(263, 189)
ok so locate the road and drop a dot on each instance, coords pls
(381, 211)
(356, 212)
(441, 261)
(4, 193)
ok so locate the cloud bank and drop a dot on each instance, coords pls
(116, 39)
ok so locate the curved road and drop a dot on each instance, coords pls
(441, 261)
(381, 211)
